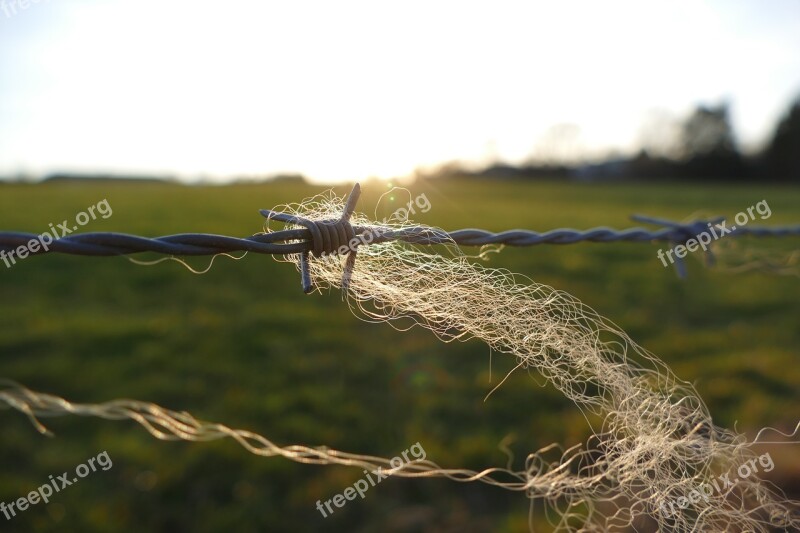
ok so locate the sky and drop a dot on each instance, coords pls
(347, 90)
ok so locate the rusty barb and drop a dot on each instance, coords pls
(340, 237)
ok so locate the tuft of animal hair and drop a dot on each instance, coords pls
(657, 442)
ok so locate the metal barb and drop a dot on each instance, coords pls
(683, 233)
(328, 237)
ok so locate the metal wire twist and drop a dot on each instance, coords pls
(332, 236)
(328, 237)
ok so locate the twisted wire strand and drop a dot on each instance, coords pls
(275, 243)
(340, 237)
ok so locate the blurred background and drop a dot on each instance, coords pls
(191, 116)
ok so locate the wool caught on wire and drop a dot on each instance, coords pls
(657, 443)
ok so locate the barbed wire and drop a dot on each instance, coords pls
(327, 236)
(196, 244)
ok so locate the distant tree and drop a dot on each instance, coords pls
(708, 146)
(782, 156)
(708, 132)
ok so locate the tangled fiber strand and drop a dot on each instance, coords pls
(657, 442)
(165, 424)
(737, 257)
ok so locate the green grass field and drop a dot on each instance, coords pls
(242, 345)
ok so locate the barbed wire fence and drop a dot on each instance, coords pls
(658, 441)
(316, 236)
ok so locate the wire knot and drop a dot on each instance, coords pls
(331, 237)
(328, 237)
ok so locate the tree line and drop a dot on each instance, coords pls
(704, 148)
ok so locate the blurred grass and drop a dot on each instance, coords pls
(243, 346)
